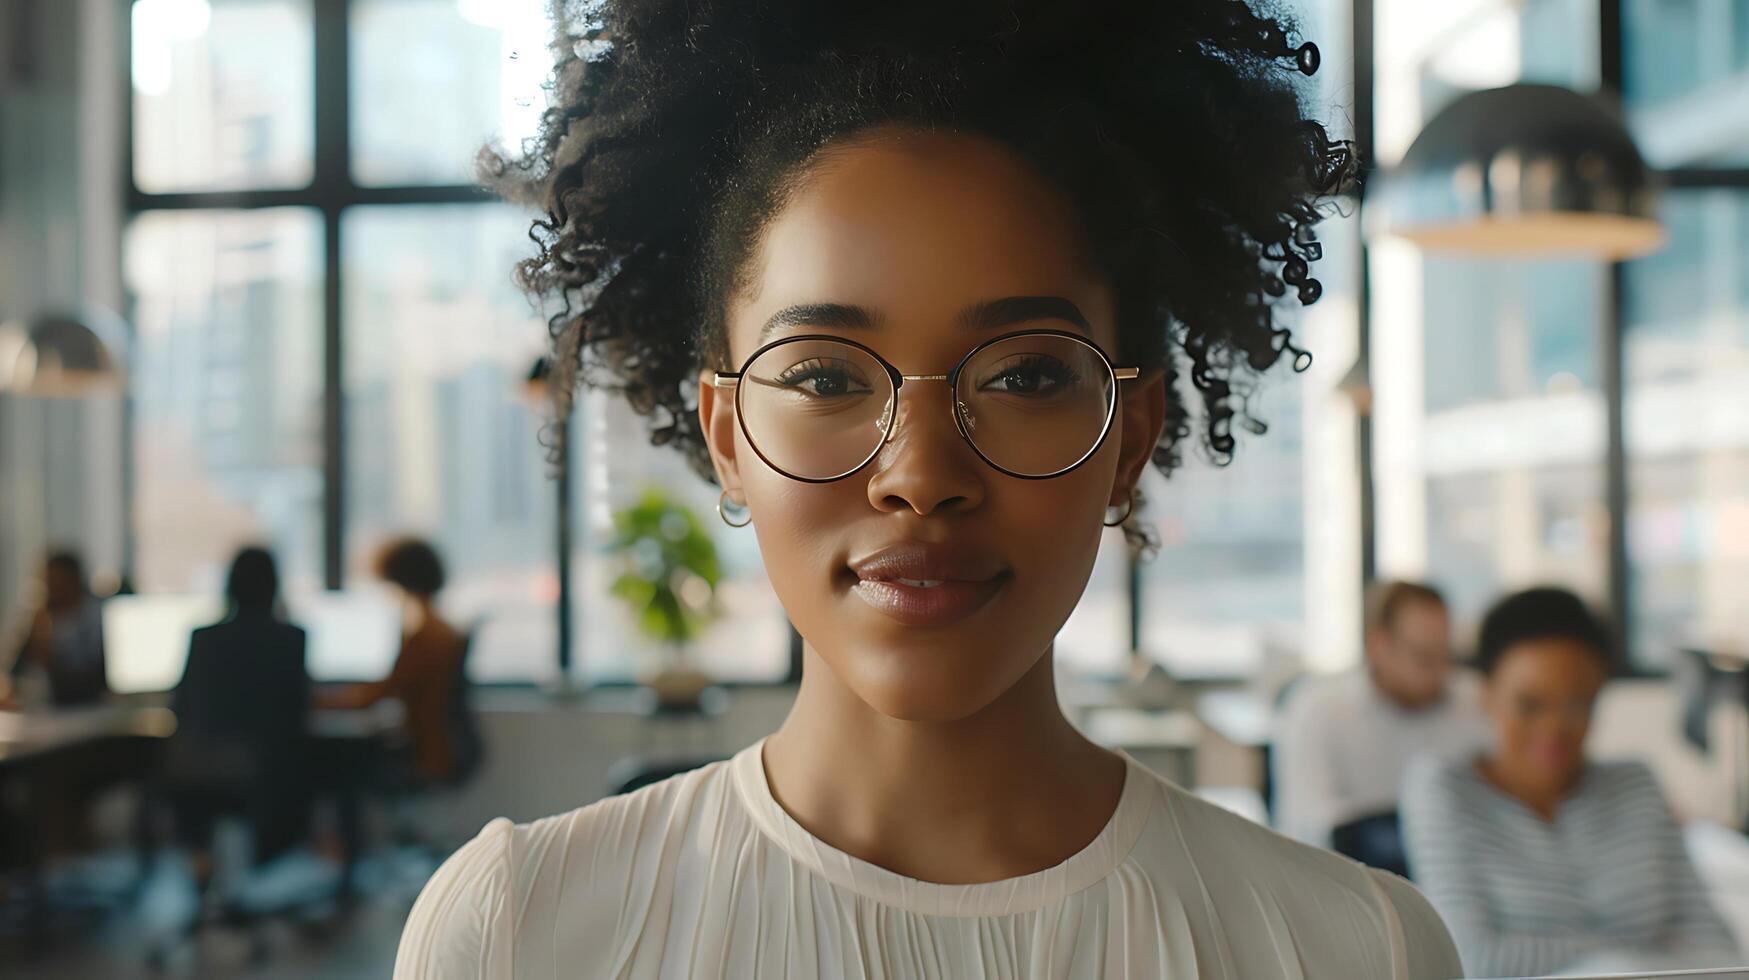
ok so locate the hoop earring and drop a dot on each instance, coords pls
(1108, 522)
(725, 508)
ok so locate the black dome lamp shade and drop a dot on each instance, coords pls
(1526, 169)
(61, 356)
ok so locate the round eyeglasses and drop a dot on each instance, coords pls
(1033, 404)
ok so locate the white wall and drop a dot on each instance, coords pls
(61, 209)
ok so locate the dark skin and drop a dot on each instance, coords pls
(63, 591)
(939, 752)
(1540, 697)
(1409, 658)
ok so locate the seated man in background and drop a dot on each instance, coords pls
(1538, 859)
(1344, 742)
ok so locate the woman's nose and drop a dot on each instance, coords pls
(926, 466)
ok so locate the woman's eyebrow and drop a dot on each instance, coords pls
(979, 316)
(841, 315)
(1019, 309)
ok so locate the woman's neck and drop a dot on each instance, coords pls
(1009, 790)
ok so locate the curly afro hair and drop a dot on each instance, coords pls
(678, 127)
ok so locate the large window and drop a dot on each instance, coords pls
(1686, 80)
(223, 94)
(1491, 413)
(227, 393)
(1514, 430)
(1687, 391)
(331, 351)
(441, 439)
(1495, 385)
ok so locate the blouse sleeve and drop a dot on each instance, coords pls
(462, 925)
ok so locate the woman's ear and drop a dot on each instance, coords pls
(716, 417)
(1142, 411)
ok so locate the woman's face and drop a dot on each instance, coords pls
(1540, 696)
(914, 228)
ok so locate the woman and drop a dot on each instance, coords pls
(242, 714)
(933, 271)
(64, 644)
(1539, 859)
(427, 674)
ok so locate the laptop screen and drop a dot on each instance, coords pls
(351, 636)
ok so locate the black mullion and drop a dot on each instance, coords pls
(129, 488)
(345, 194)
(329, 189)
(1361, 41)
(1615, 464)
(1703, 177)
(1610, 71)
(1610, 66)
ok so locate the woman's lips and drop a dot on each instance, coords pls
(927, 584)
(935, 605)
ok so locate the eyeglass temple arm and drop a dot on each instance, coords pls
(725, 379)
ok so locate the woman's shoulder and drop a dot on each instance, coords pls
(462, 923)
(1628, 788)
(1250, 870)
(513, 878)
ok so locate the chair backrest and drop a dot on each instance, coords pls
(463, 725)
(1702, 682)
(1375, 840)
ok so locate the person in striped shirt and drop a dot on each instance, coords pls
(1539, 859)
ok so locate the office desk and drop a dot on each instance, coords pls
(28, 734)
(117, 744)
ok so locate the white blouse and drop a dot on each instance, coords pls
(705, 875)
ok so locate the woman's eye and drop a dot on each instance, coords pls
(824, 380)
(1029, 376)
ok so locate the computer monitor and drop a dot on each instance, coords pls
(145, 638)
(351, 636)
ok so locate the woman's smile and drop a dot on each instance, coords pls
(927, 584)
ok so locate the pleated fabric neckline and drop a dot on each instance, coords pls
(1009, 896)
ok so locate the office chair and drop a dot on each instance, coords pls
(634, 773)
(1707, 679)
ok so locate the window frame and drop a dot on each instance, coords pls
(331, 193)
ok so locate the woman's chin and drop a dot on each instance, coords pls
(942, 681)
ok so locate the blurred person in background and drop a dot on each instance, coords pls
(63, 644)
(1540, 859)
(242, 715)
(925, 289)
(427, 675)
(1344, 742)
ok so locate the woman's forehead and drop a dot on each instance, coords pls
(918, 228)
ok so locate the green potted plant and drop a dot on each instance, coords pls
(668, 580)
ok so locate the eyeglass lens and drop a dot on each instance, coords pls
(1033, 404)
